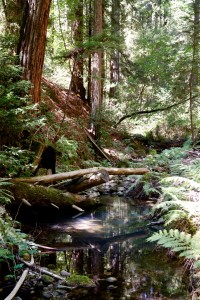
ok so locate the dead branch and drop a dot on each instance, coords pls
(18, 285)
(40, 270)
(20, 281)
(95, 145)
(143, 112)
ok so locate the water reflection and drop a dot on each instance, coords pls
(110, 246)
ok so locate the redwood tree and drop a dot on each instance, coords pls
(76, 84)
(194, 74)
(114, 61)
(96, 84)
(32, 42)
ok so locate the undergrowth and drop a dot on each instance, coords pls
(178, 206)
(12, 241)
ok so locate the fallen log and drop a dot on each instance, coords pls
(47, 198)
(83, 183)
(73, 174)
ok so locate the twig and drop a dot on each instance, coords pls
(40, 269)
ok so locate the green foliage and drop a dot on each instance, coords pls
(15, 162)
(5, 194)
(11, 237)
(179, 241)
(167, 158)
(150, 184)
(68, 149)
(92, 163)
(179, 203)
(12, 240)
(79, 279)
(144, 187)
(18, 116)
(180, 198)
(190, 170)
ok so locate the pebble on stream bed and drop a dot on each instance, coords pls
(117, 185)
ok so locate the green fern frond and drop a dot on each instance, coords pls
(171, 239)
(179, 241)
(191, 254)
(179, 248)
(180, 181)
(174, 215)
(5, 194)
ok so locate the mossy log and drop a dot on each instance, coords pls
(40, 197)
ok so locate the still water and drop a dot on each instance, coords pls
(109, 245)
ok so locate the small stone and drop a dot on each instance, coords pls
(111, 279)
(47, 295)
(111, 287)
(62, 287)
(64, 273)
(61, 292)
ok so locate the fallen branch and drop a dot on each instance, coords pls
(39, 269)
(20, 281)
(102, 153)
(143, 112)
(18, 285)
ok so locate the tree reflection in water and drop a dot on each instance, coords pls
(110, 246)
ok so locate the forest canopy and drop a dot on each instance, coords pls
(127, 64)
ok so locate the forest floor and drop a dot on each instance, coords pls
(71, 115)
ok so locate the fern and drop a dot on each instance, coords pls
(179, 241)
(179, 200)
(5, 195)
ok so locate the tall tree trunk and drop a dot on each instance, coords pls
(194, 75)
(32, 42)
(96, 85)
(89, 71)
(76, 84)
(114, 61)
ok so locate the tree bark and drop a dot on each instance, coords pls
(194, 75)
(31, 48)
(43, 197)
(76, 84)
(73, 174)
(89, 63)
(83, 183)
(96, 84)
(114, 60)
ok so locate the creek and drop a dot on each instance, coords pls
(109, 245)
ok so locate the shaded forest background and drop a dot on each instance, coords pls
(110, 69)
(103, 83)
